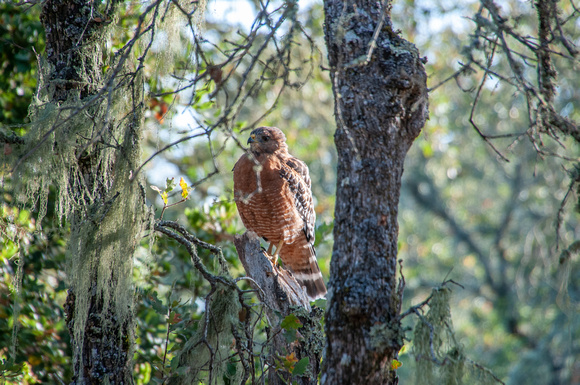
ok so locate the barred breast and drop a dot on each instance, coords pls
(264, 200)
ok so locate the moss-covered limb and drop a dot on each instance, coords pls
(98, 368)
(190, 242)
(71, 27)
(78, 143)
(206, 356)
(103, 240)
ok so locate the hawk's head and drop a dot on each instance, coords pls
(267, 140)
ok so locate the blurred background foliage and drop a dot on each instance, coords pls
(465, 214)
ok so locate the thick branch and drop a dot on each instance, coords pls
(546, 71)
(281, 291)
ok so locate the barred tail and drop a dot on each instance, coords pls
(300, 258)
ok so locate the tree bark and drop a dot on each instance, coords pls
(381, 105)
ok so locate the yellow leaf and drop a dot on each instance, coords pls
(184, 191)
(289, 361)
(291, 358)
(164, 196)
(396, 364)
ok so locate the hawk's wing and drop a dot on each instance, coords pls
(296, 174)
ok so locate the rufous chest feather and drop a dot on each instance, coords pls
(258, 179)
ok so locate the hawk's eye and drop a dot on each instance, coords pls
(265, 138)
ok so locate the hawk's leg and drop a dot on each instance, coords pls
(276, 254)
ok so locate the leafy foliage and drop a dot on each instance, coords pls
(20, 33)
(489, 224)
(32, 293)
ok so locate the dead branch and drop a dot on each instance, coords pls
(283, 296)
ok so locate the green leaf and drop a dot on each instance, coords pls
(301, 366)
(170, 184)
(396, 364)
(290, 335)
(205, 106)
(174, 363)
(291, 322)
(157, 304)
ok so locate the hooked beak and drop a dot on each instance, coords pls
(251, 139)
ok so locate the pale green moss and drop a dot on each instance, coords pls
(383, 335)
(439, 357)
(88, 150)
(170, 37)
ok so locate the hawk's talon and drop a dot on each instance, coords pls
(274, 257)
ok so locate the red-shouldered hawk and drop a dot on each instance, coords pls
(272, 192)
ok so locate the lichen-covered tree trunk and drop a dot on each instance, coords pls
(380, 105)
(89, 145)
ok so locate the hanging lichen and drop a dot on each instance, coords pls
(16, 231)
(83, 141)
(439, 357)
(169, 36)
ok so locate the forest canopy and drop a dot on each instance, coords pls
(488, 212)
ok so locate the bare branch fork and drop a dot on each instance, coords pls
(277, 290)
(257, 67)
(496, 34)
(179, 233)
(495, 30)
(243, 345)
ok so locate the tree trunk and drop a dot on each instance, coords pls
(381, 105)
(96, 151)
